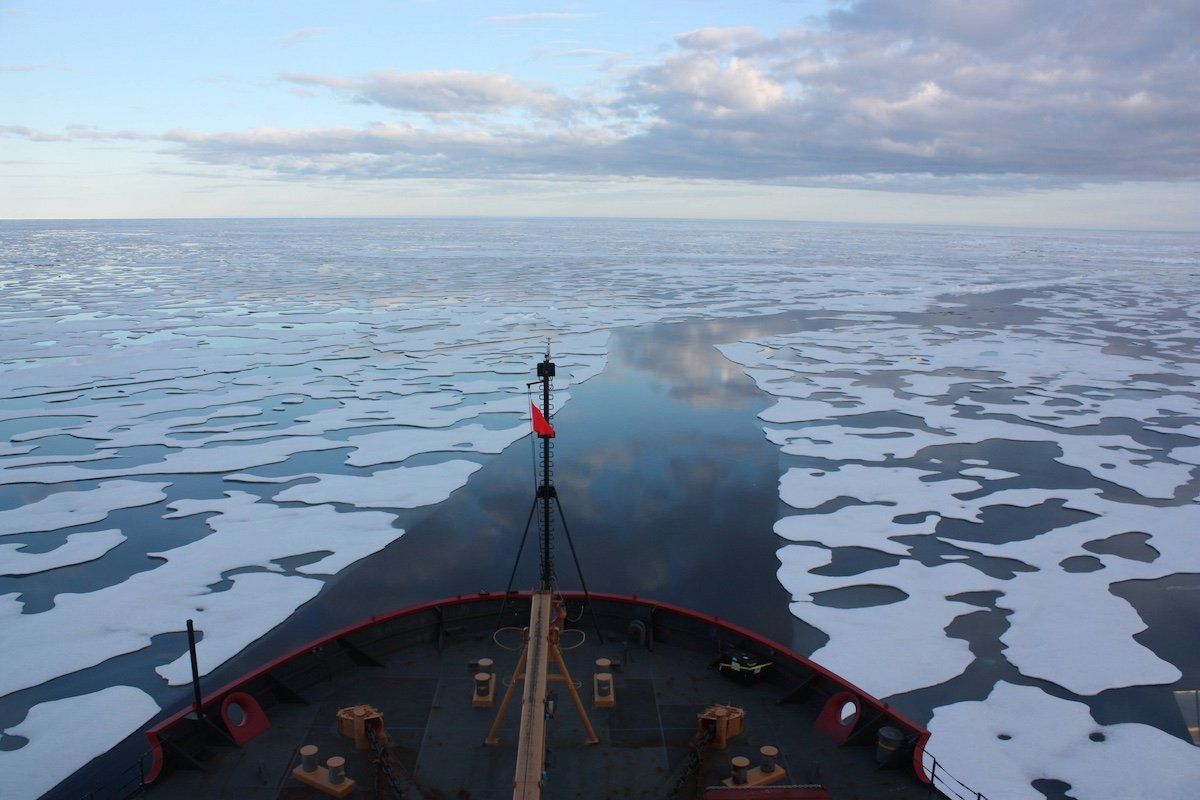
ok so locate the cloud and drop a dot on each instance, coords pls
(688, 89)
(539, 16)
(964, 94)
(449, 92)
(305, 79)
(32, 68)
(32, 134)
(440, 92)
(387, 150)
(586, 52)
(918, 95)
(74, 133)
(303, 35)
(720, 40)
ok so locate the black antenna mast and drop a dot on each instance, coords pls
(547, 494)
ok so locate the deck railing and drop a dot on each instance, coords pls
(947, 784)
(118, 785)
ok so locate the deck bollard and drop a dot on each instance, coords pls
(308, 758)
(485, 665)
(887, 741)
(603, 694)
(769, 754)
(739, 764)
(337, 769)
(483, 684)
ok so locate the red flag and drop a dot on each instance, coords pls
(540, 426)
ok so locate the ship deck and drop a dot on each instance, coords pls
(418, 677)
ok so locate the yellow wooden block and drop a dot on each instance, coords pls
(603, 701)
(485, 700)
(319, 779)
(756, 777)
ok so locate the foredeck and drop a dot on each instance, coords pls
(423, 687)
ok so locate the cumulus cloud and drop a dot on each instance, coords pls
(925, 95)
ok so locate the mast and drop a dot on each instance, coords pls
(546, 492)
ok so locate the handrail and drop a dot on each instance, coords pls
(936, 776)
(121, 784)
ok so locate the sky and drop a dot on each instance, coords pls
(1005, 112)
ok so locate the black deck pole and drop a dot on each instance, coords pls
(191, 629)
(513, 575)
(587, 597)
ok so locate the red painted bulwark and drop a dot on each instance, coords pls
(766, 793)
(249, 723)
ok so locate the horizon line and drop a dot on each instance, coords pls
(602, 217)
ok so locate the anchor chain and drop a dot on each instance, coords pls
(383, 763)
(695, 758)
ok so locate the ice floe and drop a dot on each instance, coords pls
(1020, 734)
(881, 647)
(393, 446)
(79, 548)
(71, 508)
(57, 745)
(401, 487)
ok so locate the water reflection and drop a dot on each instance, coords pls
(677, 358)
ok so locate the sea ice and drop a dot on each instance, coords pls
(71, 508)
(988, 474)
(246, 532)
(392, 446)
(1020, 734)
(884, 649)
(870, 526)
(400, 487)
(1188, 455)
(180, 462)
(66, 734)
(79, 548)
(900, 488)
